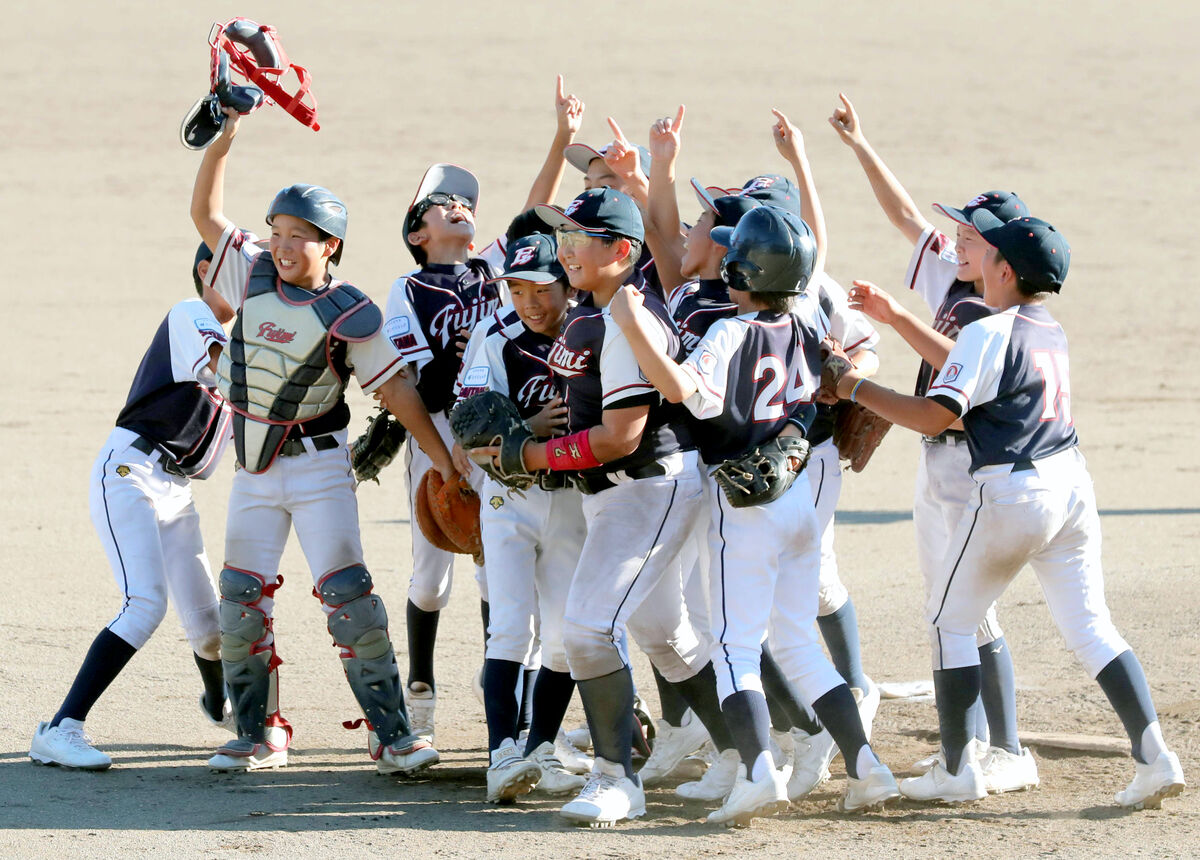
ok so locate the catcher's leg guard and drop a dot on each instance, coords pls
(248, 650)
(358, 624)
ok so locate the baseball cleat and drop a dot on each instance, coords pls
(556, 779)
(510, 775)
(406, 755)
(811, 755)
(750, 800)
(782, 747)
(608, 797)
(938, 785)
(572, 757)
(978, 749)
(868, 705)
(718, 780)
(672, 744)
(580, 738)
(422, 702)
(1002, 771)
(66, 745)
(228, 721)
(1152, 782)
(244, 754)
(873, 791)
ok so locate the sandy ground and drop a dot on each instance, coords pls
(1088, 114)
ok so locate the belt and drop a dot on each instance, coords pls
(592, 484)
(141, 443)
(946, 437)
(294, 447)
(1023, 466)
(551, 481)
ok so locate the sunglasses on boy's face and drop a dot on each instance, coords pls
(577, 238)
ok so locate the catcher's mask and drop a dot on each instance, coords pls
(770, 251)
(316, 205)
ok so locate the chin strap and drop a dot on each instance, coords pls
(255, 52)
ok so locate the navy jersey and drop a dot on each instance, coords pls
(427, 308)
(173, 401)
(696, 305)
(1009, 379)
(596, 370)
(510, 359)
(752, 373)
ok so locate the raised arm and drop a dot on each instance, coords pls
(665, 238)
(893, 199)
(569, 110)
(629, 312)
(881, 307)
(790, 143)
(208, 194)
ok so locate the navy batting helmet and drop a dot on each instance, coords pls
(316, 205)
(770, 251)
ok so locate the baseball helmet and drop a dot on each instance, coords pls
(316, 205)
(770, 251)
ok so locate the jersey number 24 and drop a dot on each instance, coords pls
(1056, 384)
(773, 401)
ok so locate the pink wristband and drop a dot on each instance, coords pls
(571, 452)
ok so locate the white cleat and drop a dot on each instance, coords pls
(66, 745)
(580, 738)
(556, 779)
(228, 721)
(672, 744)
(422, 702)
(868, 705)
(977, 747)
(1152, 782)
(938, 785)
(510, 775)
(750, 800)
(1003, 771)
(405, 755)
(608, 797)
(873, 791)
(718, 780)
(811, 755)
(241, 754)
(572, 757)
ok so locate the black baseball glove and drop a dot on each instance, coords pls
(487, 419)
(763, 474)
(377, 446)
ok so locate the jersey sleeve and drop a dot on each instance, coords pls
(192, 330)
(971, 374)
(402, 327)
(375, 361)
(231, 262)
(932, 268)
(853, 329)
(621, 379)
(708, 368)
(483, 364)
(493, 254)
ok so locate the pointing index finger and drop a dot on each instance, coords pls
(678, 123)
(559, 89)
(612, 123)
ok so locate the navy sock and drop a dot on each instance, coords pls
(956, 690)
(977, 721)
(1124, 682)
(500, 679)
(608, 704)
(422, 634)
(673, 704)
(552, 693)
(999, 694)
(838, 712)
(213, 676)
(700, 692)
(485, 613)
(104, 661)
(840, 632)
(749, 723)
(526, 712)
(787, 709)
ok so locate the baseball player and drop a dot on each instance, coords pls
(430, 313)
(173, 428)
(298, 336)
(746, 380)
(1008, 379)
(531, 539)
(946, 273)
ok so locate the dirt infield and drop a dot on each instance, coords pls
(1092, 116)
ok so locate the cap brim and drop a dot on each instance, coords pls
(559, 220)
(956, 215)
(448, 179)
(534, 277)
(986, 223)
(580, 155)
(705, 195)
(723, 236)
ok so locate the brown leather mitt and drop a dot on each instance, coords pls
(455, 508)
(857, 433)
(423, 514)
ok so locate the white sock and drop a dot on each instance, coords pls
(1153, 744)
(763, 765)
(865, 761)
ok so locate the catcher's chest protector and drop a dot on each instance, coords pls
(280, 368)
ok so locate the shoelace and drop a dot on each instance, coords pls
(597, 784)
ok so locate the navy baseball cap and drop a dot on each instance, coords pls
(776, 190)
(727, 208)
(202, 253)
(1005, 205)
(599, 211)
(533, 258)
(1037, 252)
(580, 155)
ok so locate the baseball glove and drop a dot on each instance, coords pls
(455, 508)
(487, 419)
(377, 446)
(857, 432)
(834, 364)
(765, 473)
(423, 514)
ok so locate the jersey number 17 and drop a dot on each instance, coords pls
(1056, 384)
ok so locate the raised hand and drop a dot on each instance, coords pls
(845, 123)
(664, 137)
(569, 110)
(788, 139)
(624, 305)
(874, 302)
